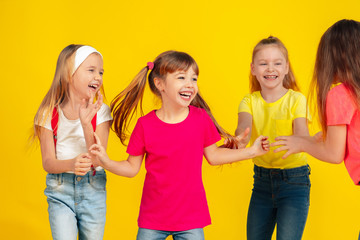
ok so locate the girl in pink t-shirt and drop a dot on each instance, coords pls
(173, 140)
(337, 84)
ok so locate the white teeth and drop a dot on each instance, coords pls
(270, 77)
(188, 95)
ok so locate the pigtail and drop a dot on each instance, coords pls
(125, 104)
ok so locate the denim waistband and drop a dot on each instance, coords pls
(72, 178)
(291, 172)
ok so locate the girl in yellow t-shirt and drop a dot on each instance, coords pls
(275, 108)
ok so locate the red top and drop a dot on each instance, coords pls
(341, 109)
(173, 195)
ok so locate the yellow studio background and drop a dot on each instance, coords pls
(220, 35)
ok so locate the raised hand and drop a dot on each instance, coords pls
(89, 108)
(240, 141)
(99, 151)
(82, 164)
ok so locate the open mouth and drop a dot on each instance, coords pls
(93, 86)
(186, 95)
(270, 77)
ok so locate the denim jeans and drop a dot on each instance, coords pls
(149, 234)
(279, 197)
(77, 205)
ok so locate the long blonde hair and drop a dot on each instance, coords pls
(59, 89)
(337, 61)
(289, 79)
(125, 104)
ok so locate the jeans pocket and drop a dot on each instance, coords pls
(98, 182)
(301, 180)
(52, 181)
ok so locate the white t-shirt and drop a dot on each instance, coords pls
(70, 135)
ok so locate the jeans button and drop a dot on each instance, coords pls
(78, 179)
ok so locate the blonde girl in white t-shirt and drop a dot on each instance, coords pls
(64, 124)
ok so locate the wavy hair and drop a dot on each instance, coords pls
(337, 61)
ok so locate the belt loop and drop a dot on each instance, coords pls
(284, 173)
(59, 178)
(257, 171)
(90, 176)
(309, 168)
(260, 171)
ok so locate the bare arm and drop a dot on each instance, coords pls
(216, 155)
(79, 165)
(331, 150)
(87, 112)
(128, 168)
(300, 127)
(102, 131)
(244, 122)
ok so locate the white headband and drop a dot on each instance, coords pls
(81, 54)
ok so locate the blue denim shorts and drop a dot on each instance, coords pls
(280, 197)
(77, 205)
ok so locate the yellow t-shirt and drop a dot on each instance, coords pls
(272, 120)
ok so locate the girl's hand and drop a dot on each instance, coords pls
(261, 146)
(237, 142)
(82, 164)
(89, 109)
(291, 144)
(99, 151)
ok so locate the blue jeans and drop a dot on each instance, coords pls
(77, 205)
(149, 234)
(279, 197)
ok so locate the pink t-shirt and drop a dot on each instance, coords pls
(342, 110)
(173, 195)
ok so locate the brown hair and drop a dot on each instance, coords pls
(125, 104)
(289, 79)
(337, 61)
(59, 89)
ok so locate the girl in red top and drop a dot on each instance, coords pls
(337, 62)
(337, 84)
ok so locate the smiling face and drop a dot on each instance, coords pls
(270, 67)
(179, 88)
(88, 78)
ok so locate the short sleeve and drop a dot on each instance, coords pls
(211, 135)
(103, 114)
(340, 108)
(47, 123)
(300, 107)
(136, 145)
(245, 105)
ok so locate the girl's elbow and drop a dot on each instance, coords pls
(131, 175)
(337, 160)
(47, 167)
(212, 162)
